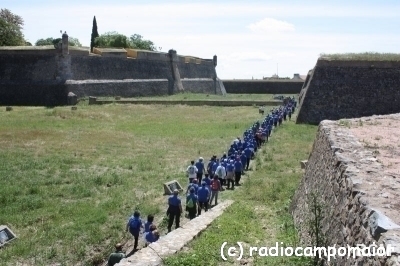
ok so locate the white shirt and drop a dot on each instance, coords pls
(222, 171)
(194, 174)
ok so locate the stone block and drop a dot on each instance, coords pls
(303, 164)
(380, 223)
(170, 186)
(74, 108)
(92, 100)
(6, 235)
(72, 98)
(9, 108)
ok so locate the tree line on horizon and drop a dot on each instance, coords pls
(11, 26)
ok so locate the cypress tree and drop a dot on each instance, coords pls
(94, 34)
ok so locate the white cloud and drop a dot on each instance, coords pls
(270, 25)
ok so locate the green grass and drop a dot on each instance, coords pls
(202, 96)
(369, 56)
(259, 215)
(70, 179)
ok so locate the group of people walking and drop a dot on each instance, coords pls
(206, 180)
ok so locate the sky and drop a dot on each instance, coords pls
(252, 39)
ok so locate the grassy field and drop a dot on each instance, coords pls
(259, 216)
(70, 179)
(202, 96)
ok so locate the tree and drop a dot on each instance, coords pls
(94, 35)
(11, 18)
(11, 29)
(137, 42)
(74, 42)
(51, 41)
(43, 42)
(115, 39)
(112, 39)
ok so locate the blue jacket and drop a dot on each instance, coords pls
(214, 166)
(150, 237)
(248, 152)
(147, 226)
(203, 193)
(200, 167)
(245, 144)
(243, 158)
(195, 186)
(223, 164)
(207, 180)
(238, 166)
(135, 223)
(174, 200)
(210, 164)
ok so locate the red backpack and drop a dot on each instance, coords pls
(215, 185)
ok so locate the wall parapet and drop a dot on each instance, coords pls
(351, 183)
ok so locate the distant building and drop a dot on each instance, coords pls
(275, 77)
(296, 76)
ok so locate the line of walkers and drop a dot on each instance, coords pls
(218, 172)
(226, 170)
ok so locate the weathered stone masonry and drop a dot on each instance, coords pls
(44, 76)
(263, 86)
(349, 181)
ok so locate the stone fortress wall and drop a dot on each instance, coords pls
(353, 169)
(263, 86)
(45, 75)
(337, 89)
(357, 185)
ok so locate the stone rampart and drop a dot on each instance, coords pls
(40, 76)
(201, 85)
(102, 68)
(347, 89)
(30, 78)
(360, 197)
(263, 86)
(125, 88)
